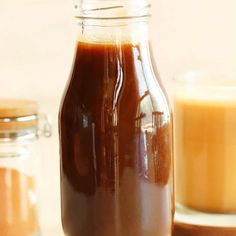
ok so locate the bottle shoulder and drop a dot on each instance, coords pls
(112, 78)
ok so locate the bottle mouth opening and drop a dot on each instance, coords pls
(111, 11)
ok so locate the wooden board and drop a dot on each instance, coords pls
(17, 108)
(181, 229)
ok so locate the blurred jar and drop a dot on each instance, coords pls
(205, 152)
(19, 166)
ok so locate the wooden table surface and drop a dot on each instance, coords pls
(181, 229)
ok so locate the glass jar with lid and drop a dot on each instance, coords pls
(19, 167)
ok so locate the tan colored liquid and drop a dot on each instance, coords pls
(205, 152)
(18, 211)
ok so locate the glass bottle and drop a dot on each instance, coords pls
(115, 128)
(20, 127)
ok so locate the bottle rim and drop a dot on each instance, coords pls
(112, 10)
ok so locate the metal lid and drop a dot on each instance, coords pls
(16, 114)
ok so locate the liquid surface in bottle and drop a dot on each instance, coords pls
(115, 146)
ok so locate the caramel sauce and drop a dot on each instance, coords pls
(115, 137)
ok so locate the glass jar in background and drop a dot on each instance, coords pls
(205, 153)
(20, 167)
(115, 128)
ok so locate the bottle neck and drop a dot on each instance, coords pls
(113, 21)
(134, 33)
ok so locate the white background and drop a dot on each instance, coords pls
(37, 39)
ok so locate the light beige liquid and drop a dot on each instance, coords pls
(205, 153)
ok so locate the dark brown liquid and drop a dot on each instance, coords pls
(115, 135)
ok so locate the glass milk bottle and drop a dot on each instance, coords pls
(115, 128)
